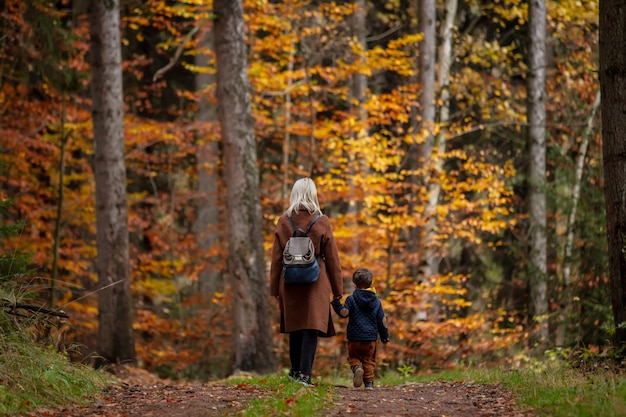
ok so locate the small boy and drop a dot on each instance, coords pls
(366, 321)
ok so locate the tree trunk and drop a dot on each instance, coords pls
(411, 162)
(613, 87)
(287, 139)
(252, 338)
(537, 167)
(561, 331)
(422, 122)
(207, 224)
(427, 19)
(357, 91)
(115, 334)
(58, 222)
(439, 144)
(358, 87)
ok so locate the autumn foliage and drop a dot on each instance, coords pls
(303, 60)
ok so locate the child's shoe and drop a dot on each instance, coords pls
(357, 379)
(369, 384)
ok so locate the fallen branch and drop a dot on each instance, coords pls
(13, 306)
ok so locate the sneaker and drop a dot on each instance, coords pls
(305, 380)
(294, 375)
(357, 379)
(369, 384)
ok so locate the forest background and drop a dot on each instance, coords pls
(337, 93)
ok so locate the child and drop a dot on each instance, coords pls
(366, 321)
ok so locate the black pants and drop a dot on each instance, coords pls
(302, 348)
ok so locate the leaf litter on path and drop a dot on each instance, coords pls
(143, 395)
(433, 399)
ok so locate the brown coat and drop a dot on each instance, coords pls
(307, 306)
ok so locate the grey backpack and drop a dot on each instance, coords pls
(300, 265)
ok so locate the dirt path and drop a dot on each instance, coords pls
(435, 399)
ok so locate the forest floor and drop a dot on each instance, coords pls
(140, 394)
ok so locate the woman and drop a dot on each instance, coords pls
(304, 308)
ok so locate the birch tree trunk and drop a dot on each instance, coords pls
(613, 87)
(561, 331)
(253, 347)
(537, 167)
(439, 144)
(115, 333)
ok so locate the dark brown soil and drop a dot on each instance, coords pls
(143, 395)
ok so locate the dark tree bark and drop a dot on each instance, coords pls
(253, 348)
(358, 92)
(613, 91)
(115, 334)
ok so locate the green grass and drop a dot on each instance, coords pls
(563, 392)
(552, 389)
(33, 377)
(286, 397)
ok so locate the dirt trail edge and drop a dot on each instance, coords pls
(140, 398)
(434, 399)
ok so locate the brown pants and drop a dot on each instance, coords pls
(363, 354)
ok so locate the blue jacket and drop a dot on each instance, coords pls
(366, 316)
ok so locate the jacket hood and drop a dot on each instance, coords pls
(365, 299)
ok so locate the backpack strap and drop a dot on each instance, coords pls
(312, 223)
(297, 229)
(293, 227)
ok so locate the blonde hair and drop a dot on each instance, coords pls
(304, 196)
